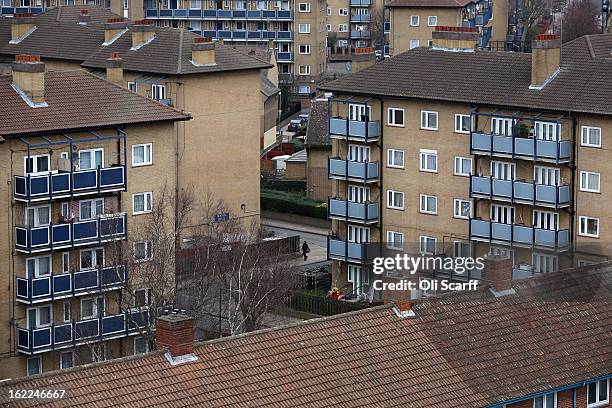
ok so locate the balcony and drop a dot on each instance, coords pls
(212, 14)
(359, 34)
(284, 35)
(339, 128)
(49, 288)
(361, 3)
(11, 11)
(367, 213)
(70, 235)
(520, 235)
(284, 57)
(520, 192)
(35, 188)
(34, 341)
(521, 147)
(350, 251)
(366, 172)
(360, 18)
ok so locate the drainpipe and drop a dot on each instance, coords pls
(380, 172)
(573, 204)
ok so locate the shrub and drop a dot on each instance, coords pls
(280, 201)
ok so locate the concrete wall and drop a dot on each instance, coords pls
(402, 32)
(318, 185)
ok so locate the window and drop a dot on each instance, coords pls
(142, 154)
(142, 203)
(304, 28)
(429, 120)
(547, 130)
(304, 49)
(462, 249)
(304, 89)
(395, 200)
(34, 365)
(462, 208)
(395, 240)
(395, 158)
(66, 360)
(38, 216)
(36, 164)
(132, 86)
(98, 353)
(329, 11)
(141, 345)
(598, 393)
(304, 70)
(463, 166)
(591, 136)
(432, 21)
(395, 117)
(414, 21)
(543, 263)
(358, 277)
(429, 43)
(66, 312)
(142, 251)
(589, 227)
(415, 44)
(429, 161)
(358, 235)
(503, 214)
(547, 220)
(92, 307)
(328, 28)
(39, 317)
(142, 297)
(92, 258)
(304, 7)
(589, 181)
(90, 209)
(462, 123)
(197, 4)
(427, 245)
(342, 43)
(158, 92)
(502, 126)
(343, 28)
(429, 204)
(546, 401)
(65, 262)
(38, 266)
(343, 12)
(241, 25)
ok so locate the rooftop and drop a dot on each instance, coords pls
(492, 78)
(317, 132)
(431, 3)
(468, 349)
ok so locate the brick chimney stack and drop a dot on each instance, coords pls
(498, 273)
(400, 299)
(112, 28)
(143, 31)
(545, 59)
(29, 76)
(114, 69)
(175, 332)
(21, 26)
(84, 17)
(455, 38)
(203, 52)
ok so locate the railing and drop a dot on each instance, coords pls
(361, 3)
(521, 235)
(33, 341)
(284, 56)
(360, 34)
(520, 191)
(49, 288)
(352, 211)
(211, 14)
(360, 18)
(351, 170)
(521, 147)
(351, 251)
(10, 11)
(322, 306)
(285, 77)
(69, 235)
(356, 130)
(65, 184)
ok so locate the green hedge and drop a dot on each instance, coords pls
(280, 201)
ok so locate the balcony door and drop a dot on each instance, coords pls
(358, 235)
(91, 159)
(38, 266)
(502, 126)
(37, 164)
(503, 170)
(359, 112)
(503, 214)
(359, 194)
(547, 220)
(89, 209)
(547, 131)
(92, 307)
(359, 153)
(38, 216)
(39, 317)
(92, 258)
(548, 176)
(358, 277)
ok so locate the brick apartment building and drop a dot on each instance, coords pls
(543, 342)
(466, 153)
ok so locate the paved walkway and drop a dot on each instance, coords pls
(315, 236)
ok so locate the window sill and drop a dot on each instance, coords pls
(428, 171)
(141, 212)
(397, 126)
(142, 164)
(426, 128)
(395, 167)
(427, 213)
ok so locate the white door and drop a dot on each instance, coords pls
(503, 170)
(501, 126)
(549, 176)
(89, 209)
(546, 131)
(502, 213)
(544, 263)
(359, 194)
(545, 220)
(359, 112)
(357, 276)
(359, 153)
(359, 235)
(91, 159)
(92, 258)
(38, 216)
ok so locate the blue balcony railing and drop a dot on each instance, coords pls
(520, 192)
(69, 235)
(10, 11)
(211, 14)
(284, 57)
(351, 211)
(361, 3)
(33, 341)
(350, 251)
(284, 35)
(65, 184)
(521, 147)
(360, 18)
(356, 130)
(352, 170)
(520, 235)
(360, 34)
(49, 288)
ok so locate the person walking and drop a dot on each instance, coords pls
(305, 250)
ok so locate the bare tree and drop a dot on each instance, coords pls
(528, 14)
(580, 18)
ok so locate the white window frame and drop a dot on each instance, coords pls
(584, 178)
(306, 8)
(414, 43)
(329, 11)
(66, 318)
(391, 196)
(457, 205)
(96, 313)
(37, 309)
(132, 86)
(391, 241)
(147, 198)
(94, 258)
(458, 166)
(342, 28)
(425, 125)
(148, 251)
(343, 12)
(304, 28)
(391, 158)
(545, 399)
(418, 21)
(423, 203)
(39, 365)
(304, 70)
(423, 154)
(429, 23)
(145, 146)
(306, 49)
(391, 117)
(37, 273)
(35, 169)
(598, 403)
(585, 137)
(424, 240)
(459, 122)
(61, 366)
(585, 219)
(36, 209)
(65, 262)
(93, 205)
(158, 90)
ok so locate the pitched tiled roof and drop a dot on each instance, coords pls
(77, 100)
(463, 350)
(492, 78)
(260, 52)
(317, 132)
(431, 3)
(70, 14)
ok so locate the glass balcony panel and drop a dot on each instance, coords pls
(523, 191)
(41, 287)
(522, 235)
(209, 13)
(481, 141)
(165, 13)
(113, 324)
(502, 144)
(180, 13)
(86, 328)
(195, 13)
(502, 188)
(62, 333)
(501, 232)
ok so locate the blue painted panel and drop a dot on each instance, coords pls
(86, 329)
(111, 176)
(61, 283)
(61, 233)
(165, 13)
(284, 14)
(113, 324)
(180, 13)
(111, 226)
(7, 10)
(39, 185)
(195, 13)
(41, 287)
(254, 14)
(209, 33)
(84, 179)
(22, 288)
(254, 34)
(85, 280)
(60, 182)
(21, 236)
(36, 10)
(41, 337)
(23, 338)
(268, 14)
(239, 34)
(63, 333)
(269, 34)
(84, 230)
(224, 13)
(239, 13)
(225, 34)
(209, 13)
(111, 276)
(39, 236)
(150, 13)
(20, 186)
(139, 319)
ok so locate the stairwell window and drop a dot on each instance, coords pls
(589, 181)
(304, 7)
(304, 28)
(589, 227)
(158, 92)
(462, 123)
(598, 393)
(141, 345)
(428, 161)
(546, 401)
(142, 203)
(414, 21)
(329, 12)
(428, 204)
(395, 117)
(590, 136)
(142, 154)
(463, 166)
(429, 120)
(395, 240)
(432, 21)
(66, 360)
(395, 200)
(142, 251)
(395, 158)
(66, 312)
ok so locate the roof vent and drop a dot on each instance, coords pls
(545, 59)
(143, 32)
(22, 25)
(203, 52)
(84, 17)
(449, 38)
(113, 29)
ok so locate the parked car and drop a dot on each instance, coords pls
(295, 125)
(304, 116)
